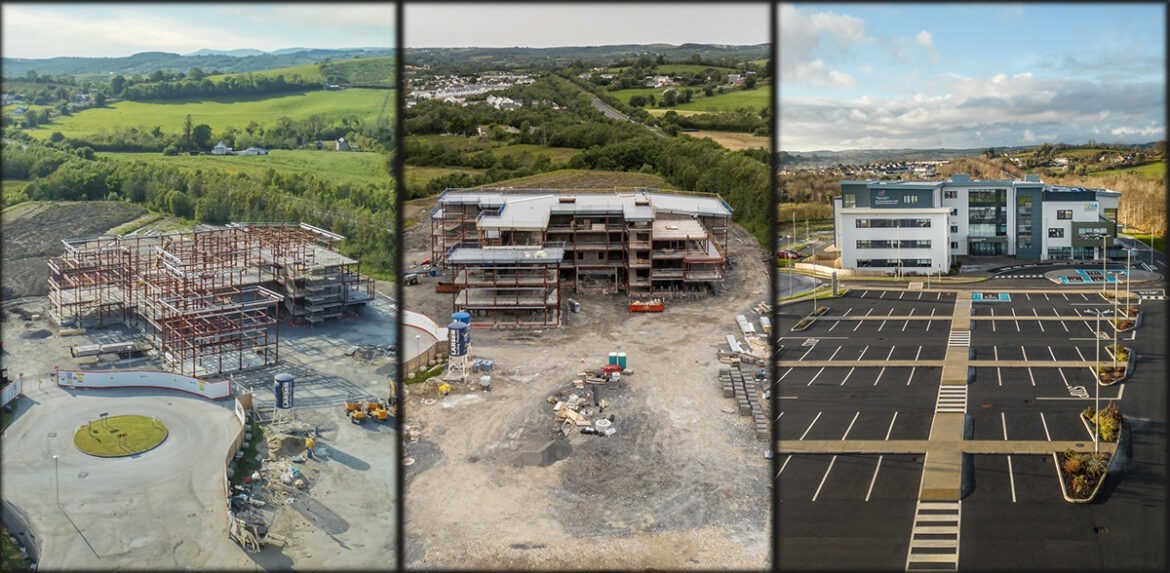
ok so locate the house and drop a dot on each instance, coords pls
(255, 151)
(221, 149)
(332, 87)
(735, 79)
(342, 144)
(20, 110)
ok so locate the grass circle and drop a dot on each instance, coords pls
(119, 436)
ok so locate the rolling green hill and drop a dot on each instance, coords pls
(221, 113)
(355, 166)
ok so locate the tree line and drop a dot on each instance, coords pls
(362, 212)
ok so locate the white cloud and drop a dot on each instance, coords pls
(978, 112)
(924, 39)
(804, 34)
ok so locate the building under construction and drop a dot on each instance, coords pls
(209, 300)
(509, 253)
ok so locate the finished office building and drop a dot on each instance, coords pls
(921, 226)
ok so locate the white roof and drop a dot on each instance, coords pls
(520, 210)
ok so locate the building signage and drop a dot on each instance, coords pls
(881, 199)
(1090, 207)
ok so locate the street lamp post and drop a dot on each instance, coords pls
(57, 478)
(1104, 259)
(1115, 321)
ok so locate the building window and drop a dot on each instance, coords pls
(1064, 214)
(951, 194)
(1055, 233)
(955, 212)
(1111, 214)
(910, 199)
(1059, 253)
(954, 228)
(849, 200)
(954, 244)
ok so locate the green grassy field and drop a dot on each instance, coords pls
(307, 71)
(1159, 243)
(223, 113)
(625, 95)
(733, 141)
(11, 190)
(353, 166)
(119, 436)
(584, 179)
(1149, 171)
(555, 154)
(661, 111)
(755, 99)
(418, 176)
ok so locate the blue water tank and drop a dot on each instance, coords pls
(621, 360)
(457, 338)
(283, 390)
(463, 316)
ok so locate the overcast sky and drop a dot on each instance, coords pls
(45, 30)
(495, 25)
(959, 76)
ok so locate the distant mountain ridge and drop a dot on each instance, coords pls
(229, 61)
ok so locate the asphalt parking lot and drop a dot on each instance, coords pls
(869, 369)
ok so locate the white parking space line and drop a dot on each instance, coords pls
(883, 295)
(874, 478)
(911, 312)
(1024, 352)
(1028, 296)
(810, 349)
(784, 465)
(880, 372)
(901, 295)
(1079, 353)
(1030, 377)
(847, 375)
(859, 323)
(834, 325)
(869, 312)
(814, 378)
(999, 375)
(891, 313)
(1016, 321)
(810, 426)
(919, 353)
(1052, 354)
(911, 376)
(846, 436)
(863, 293)
(890, 430)
(993, 323)
(847, 312)
(835, 353)
(1045, 424)
(995, 352)
(1040, 323)
(905, 325)
(891, 353)
(1064, 295)
(1064, 325)
(825, 477)
(1003, 422)
(1084, 297)
(1012, 475)
(881, 326)
(862, 352)
(1045, 296)
(789, 371)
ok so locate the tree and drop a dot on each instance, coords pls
(201, 136)
(186, 142)
(32, 118)
(195, 74)
(749, 82)
(99, 99)
(669, 98)
(117, 84)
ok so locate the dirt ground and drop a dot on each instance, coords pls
(682, 483)
(32, 233)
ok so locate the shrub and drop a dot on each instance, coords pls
(1072, 466)
(1080, 485)
(1096, 465)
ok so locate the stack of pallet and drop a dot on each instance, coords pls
(735, 385)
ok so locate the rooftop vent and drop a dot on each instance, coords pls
(568, 199)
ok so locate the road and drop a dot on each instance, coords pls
(612, 113)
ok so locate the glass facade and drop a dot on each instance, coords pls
(893, 244)
(987, 212)
(892, 223)
(1024, 222)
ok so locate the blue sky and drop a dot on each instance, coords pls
(45, 30)
(975, 75)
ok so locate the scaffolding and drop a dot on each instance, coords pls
(209, 299)
(508, 286)
(642, 243)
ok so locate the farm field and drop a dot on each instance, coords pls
(308, 71)
(661, 111)
(420, 176)
(731, 140)
(221, 113)
(353, 166)
(473, 146)
(625, 95)
(1149, 171)
(756, 99)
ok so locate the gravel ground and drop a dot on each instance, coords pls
(682, 484)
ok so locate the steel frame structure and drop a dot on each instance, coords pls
(208, 299)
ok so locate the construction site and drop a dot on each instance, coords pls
(508, 255)
(209, 312)
(209, 301)
(605, 421)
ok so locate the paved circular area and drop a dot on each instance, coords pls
(120, 436)
(157, 509)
